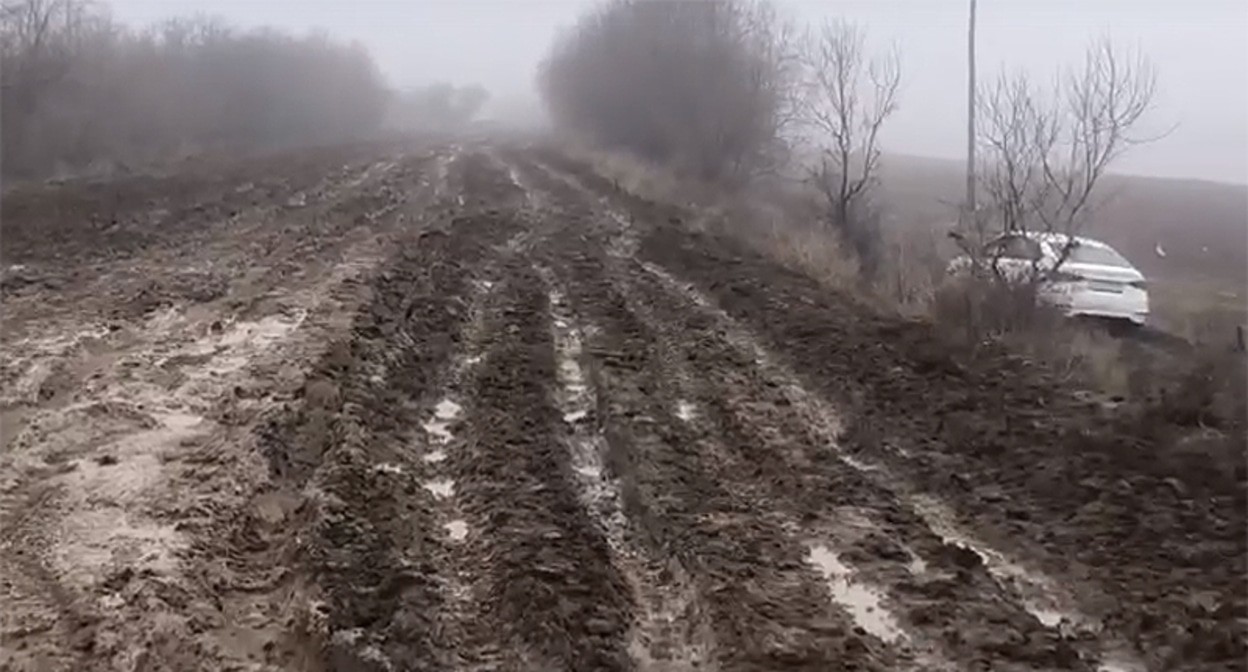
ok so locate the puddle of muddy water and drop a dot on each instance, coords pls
(863, 602)
(438, 430)
(181, 421)
(447, 410)
(917, 566)
(233, 350)
(570, 369)
(589, 471)
(576, 399)
(685, 410)
(441, 488)
(859, 464)
(1036, 590)
(457, 530)
(443, 415)
(263, 331)
(1040, 595)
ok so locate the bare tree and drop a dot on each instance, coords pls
(1018, 131)
(849, 97)
(36, 42)
(1104, 104)
(1045, 155)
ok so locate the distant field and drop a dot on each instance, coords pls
(1201, 227)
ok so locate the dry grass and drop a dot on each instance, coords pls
(1202, 383)
(979, 310)
(777, 220)
(640, 177)
(913, 269)
(1086, 356)
(1201, 312)
(814, 252)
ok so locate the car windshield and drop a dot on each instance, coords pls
(1097, 254)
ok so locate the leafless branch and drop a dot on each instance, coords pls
(848, 97)
(1045, 152)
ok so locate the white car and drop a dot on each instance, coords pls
(1093, 279)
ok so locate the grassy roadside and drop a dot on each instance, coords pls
(1187, 374)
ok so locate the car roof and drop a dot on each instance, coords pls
(1057, 238)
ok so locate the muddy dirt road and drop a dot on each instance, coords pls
(471, 407)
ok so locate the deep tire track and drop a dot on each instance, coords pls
(373, 542)
(893, 370)
(554, 430)
(783, 453)
(231, 586)
(1142, 530)
(762, 606)
(550, 588)
(776, 445)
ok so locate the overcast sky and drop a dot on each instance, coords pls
(1200, 48)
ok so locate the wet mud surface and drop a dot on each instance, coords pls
(474, 408)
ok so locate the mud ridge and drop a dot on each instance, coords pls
(1073, 482)
(550, 586)
(757, 605)
(372, 528)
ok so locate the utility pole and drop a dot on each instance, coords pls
(970, 116)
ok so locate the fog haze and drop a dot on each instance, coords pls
(1200, 50)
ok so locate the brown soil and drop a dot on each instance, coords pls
(473, 408)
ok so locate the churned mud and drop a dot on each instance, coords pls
(472, 407)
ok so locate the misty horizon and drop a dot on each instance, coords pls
(1200, 112)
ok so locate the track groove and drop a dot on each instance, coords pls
(533, 422)
(787, 448)
(552, 588)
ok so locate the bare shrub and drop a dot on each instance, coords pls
(811, 251)
(912, 267)
(704, 86)
(80, 90)
(1090, 356)
(635, 175)
(1043, 154)
(846, 98)
(978, 309)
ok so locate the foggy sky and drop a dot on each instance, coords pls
(1200, 48)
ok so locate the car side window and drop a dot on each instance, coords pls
(1030, 249)
(1015, 247)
